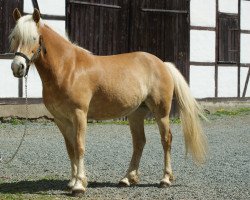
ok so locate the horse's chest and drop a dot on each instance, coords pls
(57, 106)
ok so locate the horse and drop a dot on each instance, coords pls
(78, 86)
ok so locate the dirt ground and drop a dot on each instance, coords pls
(41, 168)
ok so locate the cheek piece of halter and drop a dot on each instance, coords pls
(34, 56)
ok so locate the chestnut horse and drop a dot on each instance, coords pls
(78, 85)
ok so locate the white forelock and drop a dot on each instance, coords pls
(24, 34)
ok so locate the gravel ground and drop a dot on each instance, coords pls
(41, 168)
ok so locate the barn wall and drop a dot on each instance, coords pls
(227, 81)
(228, 6)
(202, 49)
(245, 15)
(8, 83)
(202, 46)
(245, 43)
(204, 75)
(244, 72)
(202, 13)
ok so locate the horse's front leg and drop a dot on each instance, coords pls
(66, 128)
(80, 125)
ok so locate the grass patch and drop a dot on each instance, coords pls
(239, 111)
(125, 122)
(15, 121)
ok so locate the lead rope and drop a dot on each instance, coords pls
(25, 124)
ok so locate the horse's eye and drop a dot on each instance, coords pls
(34, 38)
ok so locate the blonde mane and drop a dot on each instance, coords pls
(25, 33)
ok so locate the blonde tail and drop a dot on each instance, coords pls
(195, 140)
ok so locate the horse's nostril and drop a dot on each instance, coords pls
(22, 66)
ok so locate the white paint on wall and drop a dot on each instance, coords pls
(245, 48)
(203, 13)
(202, 46)
(245, 15)
(8, 83)
(58, 26)
(228, 6)
(27, 6)
(227, 81)
(202, 82)
(52, 7)
(46, 7)
(243, 75)
(34, 83)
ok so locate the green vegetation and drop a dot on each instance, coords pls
(16, 121)
(234, 112)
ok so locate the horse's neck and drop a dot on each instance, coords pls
(50, 64)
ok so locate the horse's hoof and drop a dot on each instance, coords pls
(123, 184)
(78, 193)
(165, 184)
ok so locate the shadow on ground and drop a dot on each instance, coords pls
(44, 185)
(32, 187)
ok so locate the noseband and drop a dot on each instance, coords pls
(34, 56)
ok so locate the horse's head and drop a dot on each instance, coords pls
(25, 42)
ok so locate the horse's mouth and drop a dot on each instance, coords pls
(19, 75)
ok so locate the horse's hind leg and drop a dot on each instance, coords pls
(136, 122)
(166, 140)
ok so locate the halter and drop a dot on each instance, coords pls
(34, 56)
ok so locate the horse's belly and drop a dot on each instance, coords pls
(102, 109)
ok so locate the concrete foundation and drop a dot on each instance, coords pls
(39, 110)
(34, 111)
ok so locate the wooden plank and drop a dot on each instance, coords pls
(202, 63)
(216, 50)
(164, 11)
(245, 31)
(245, 64)
(95, 4)
(35, 4)
(20, 87)
(53, 17)
(49, 17)
(246, 83)
(7, 56)
(238, 41)
(203, 28)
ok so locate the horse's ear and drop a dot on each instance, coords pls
(36, 15)
(16, 14)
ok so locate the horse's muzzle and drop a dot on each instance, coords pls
(18, 69)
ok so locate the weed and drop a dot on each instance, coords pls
(15, 121)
